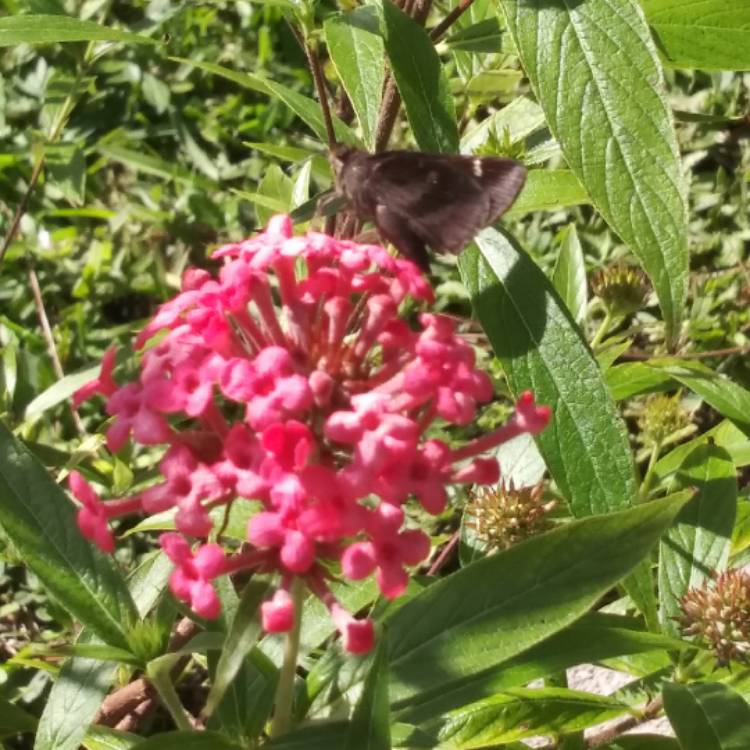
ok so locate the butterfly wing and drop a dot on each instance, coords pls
(442, 200)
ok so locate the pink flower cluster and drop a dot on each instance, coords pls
(293, 380)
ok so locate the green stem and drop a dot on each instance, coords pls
(282, 717)
(649, 476)
(161, 679)
(603, 330)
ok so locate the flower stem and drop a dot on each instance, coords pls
(603, 330)
(159, 673)
(649, 476)
(282, 717)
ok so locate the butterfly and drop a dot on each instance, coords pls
(421, 200)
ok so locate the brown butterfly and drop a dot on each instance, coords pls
(421, 200)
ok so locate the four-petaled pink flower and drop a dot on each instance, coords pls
(293, 381)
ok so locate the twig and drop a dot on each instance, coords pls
(437, 33)
(606, 735)
(49, 339)
(320, 88)
(22, 206)
(127, 706)
(441, 559)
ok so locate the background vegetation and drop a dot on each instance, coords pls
(126, 158)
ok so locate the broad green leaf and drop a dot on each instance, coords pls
(276, 186)
(449, 632)
(630, 379)
(594, 68)
(725, 435)
(60, 391)
(65, 166)
(643, 742)
(699, 541)
(104, 738)
(320, 166)
(512, 123)
(585, 445)
(206, 740)
(73, 701)
(242, 635)
(549, 190)
(14, 720)
(48, 29)
(569, 276)
(40, 520)
(483, 37)
(357, 52)
(708, 716)
(248, 698)
(329, 735)
(370, 728)
(727, 397)
(148, 581)
(594, 637)
(706, 34)
(517, 714)
(421, 81)
(308, 110)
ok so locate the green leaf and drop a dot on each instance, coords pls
(242, 636)
(47, 29)
(630, 379)
(73, 701)
(549, 190)
(65, 166)
(421, 81)
(14, 720)
(594, 637)
(40, 520)
(357, 52)
(60, 391)
(585, 446)
(206, 740)
(569, 276)
(725, 434)
(707, 34)
(104, 738)
(448, 633)
(483, 37)
(369, 728)
(277, 187)
(727, 397)
(308, 110)
(594, 68)
(517, 714)
(699, 541)
(153, 165)
(516, 121)
(643, 742)
(708, 716)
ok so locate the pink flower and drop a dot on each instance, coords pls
(103, 385)
(191, 579)
(277, 614)
(92, 517)
(293, 381)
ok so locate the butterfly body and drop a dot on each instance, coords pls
(421, 200)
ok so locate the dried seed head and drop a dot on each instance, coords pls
(503, 516)
(718, 613)
(661, 417)
(621, 288)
